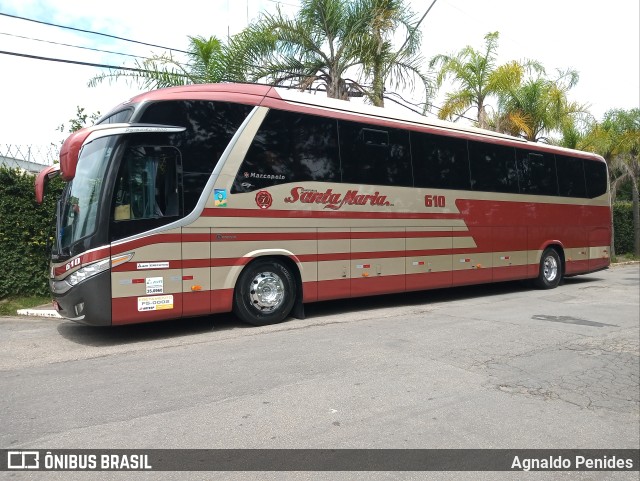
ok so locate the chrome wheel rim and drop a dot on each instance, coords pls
(266, 291)
(550, 268)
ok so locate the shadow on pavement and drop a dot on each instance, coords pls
(119, 335)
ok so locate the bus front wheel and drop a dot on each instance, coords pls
(550, 269)
(265, 293)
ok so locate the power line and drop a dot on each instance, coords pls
(76, 62)
(410, 34)
(69, 45)
(92, 32)
(283, 3)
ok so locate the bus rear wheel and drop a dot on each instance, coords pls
(550, 269)
(264, 293)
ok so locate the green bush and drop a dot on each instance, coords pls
(623, 227)
(26, 230)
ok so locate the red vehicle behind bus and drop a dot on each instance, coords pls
(254, 199)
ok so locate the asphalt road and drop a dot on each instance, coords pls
(497, 366)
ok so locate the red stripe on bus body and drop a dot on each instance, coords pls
(336, 256)
(96, 255)
(577, 267)
(146, 241)
(276, 236)
(510, 273)
(88, 258)
(313, 214)
(196, 303)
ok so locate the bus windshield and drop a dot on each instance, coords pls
(81, 198)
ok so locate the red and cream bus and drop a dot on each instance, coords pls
(206, 199)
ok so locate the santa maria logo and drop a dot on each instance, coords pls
(334, 200)
(264, 199)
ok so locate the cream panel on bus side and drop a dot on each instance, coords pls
(196, 271)
(377, 260)
(149, 286)
(599, 247)
(510, 256)
(472, 257)
(334, 264)
(428, 261)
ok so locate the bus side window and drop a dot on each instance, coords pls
(596, 175)
(537, 173)
(493, 167)
(440, 162)
(571, 180)
(375, 156)
(290, 147)
(146, 189)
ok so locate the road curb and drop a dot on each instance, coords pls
(38, 313)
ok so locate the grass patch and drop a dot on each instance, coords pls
(625, 258)
(9, 306)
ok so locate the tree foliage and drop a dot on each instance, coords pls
(617, 139)
(476, 77)
(208, 62)
(538, 106)
(336, 45)
(26, 231)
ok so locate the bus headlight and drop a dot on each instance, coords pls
(88, 271)
(60, 287)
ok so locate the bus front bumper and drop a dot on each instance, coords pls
(88, 302)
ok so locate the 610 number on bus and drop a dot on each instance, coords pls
(434, 201)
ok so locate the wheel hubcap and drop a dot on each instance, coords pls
(266, 291)
(550, 269)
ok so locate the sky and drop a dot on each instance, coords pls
(598, 39)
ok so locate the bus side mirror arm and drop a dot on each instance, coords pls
(43, 178)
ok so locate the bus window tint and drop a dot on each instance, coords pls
(493, 167)
(210, 126)
(571, 181)
(375, 155)
(537, 173)
(147, 192)
(596, 176)
(440, 162)
(290, 147)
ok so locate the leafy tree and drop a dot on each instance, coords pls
(327, 41)
(535, 108)
(318, 46)
(617, 139)
(208, 62)
(381, 61)
(81, 120)
(476, 78)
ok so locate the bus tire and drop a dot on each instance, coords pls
(265, 293)
(550, 269)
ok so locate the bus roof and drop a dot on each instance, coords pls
(316, 102)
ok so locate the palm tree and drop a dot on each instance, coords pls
(315, 47)
(327, 41)
(381, 62)
(476, 77)
(617, 139)
(539, 106)
(208, 62)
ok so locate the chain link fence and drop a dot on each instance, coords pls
(29, 158)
